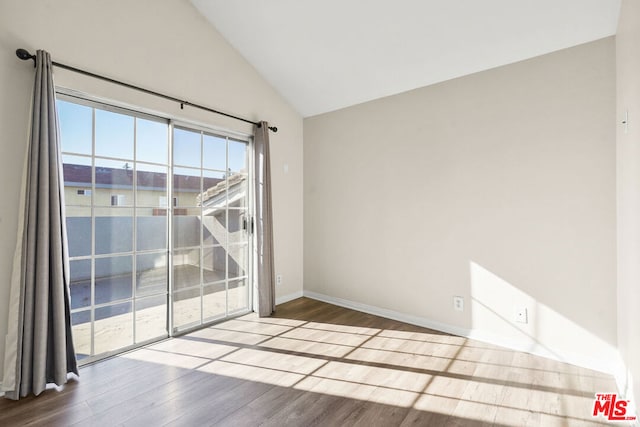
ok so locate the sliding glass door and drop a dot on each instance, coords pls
(210, 227)
(143, 232)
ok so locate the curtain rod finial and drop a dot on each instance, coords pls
(24, 54)
(271, 128)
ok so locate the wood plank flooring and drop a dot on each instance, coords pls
(317, 364)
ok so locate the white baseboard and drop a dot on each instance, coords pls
(624, 381)
(389, 314)
(290, 297)
(623, 378)
(611, 366)
(1, 390)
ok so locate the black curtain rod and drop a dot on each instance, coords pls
(25, 55)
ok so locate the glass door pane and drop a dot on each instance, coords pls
(238, 227)
(210, 237)
(115, 167)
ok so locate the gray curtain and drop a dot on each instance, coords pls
(264, 222)
(39, 347)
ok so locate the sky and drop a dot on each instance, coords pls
(115, 134)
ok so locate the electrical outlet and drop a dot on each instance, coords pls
(279, 279)
(521, 315)
(458, 303)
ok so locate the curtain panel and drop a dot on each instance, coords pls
(39, 346)
(265, 272)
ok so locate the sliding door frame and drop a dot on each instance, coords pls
(248, 139)
(83, 98)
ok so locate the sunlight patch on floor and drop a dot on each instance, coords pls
(435, 373)
(172, 359)
(252, 373)
(282, 362)
(191, 347)
(309, 347)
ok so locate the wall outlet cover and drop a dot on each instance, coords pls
(458, 303)
(521, 315)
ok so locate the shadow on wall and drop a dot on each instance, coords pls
(502, 313)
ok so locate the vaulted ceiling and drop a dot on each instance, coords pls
(330, 54)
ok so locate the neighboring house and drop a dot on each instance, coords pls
(114, 187)
(113, 203)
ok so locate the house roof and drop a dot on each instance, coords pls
(211, 194)
(80, 176)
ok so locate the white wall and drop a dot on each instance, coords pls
(166, 46)
(628, 99)
(498, 187)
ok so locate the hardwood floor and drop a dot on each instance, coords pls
(317, 364)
